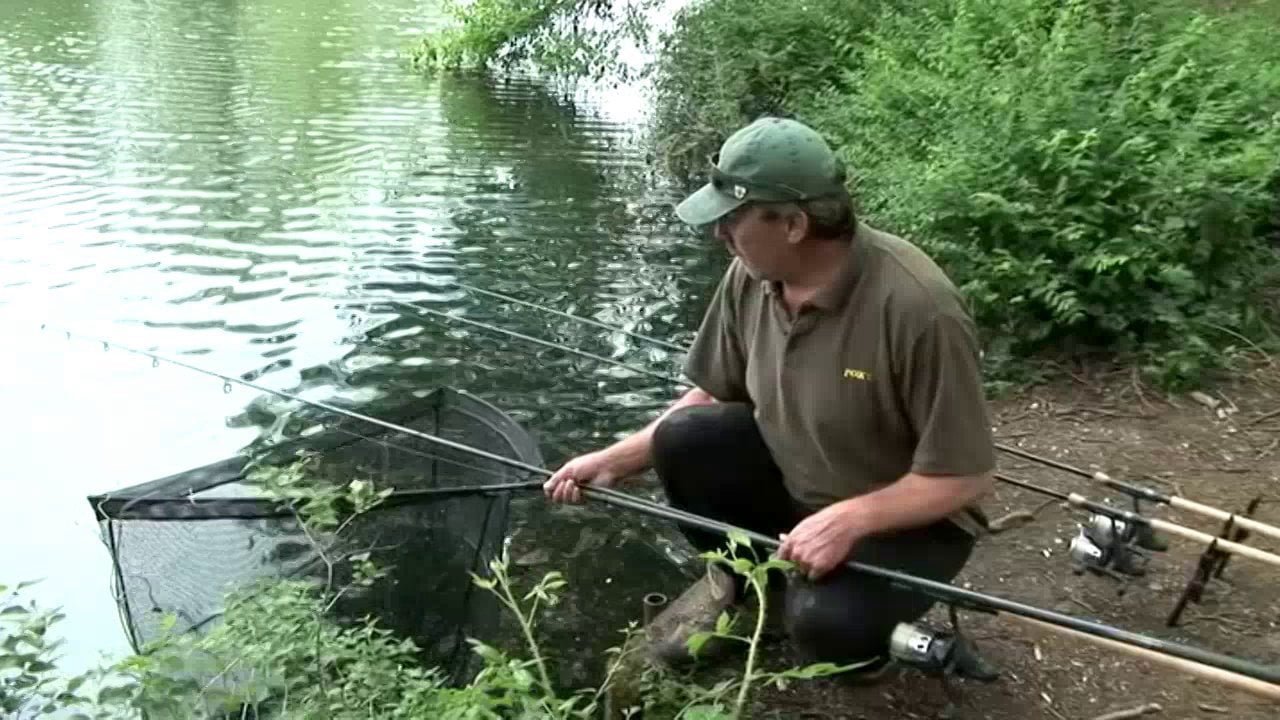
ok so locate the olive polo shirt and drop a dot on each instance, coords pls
(879, 374)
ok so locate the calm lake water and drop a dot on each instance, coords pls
(234, 181)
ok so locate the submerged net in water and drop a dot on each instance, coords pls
(182, 542)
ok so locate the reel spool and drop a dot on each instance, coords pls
(920, 648)
(939, 652)
(1104, 530)
(1107, 546)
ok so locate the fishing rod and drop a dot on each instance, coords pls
(1136, 491)
(1241, 674)
(1255, 678)
(421, 311)
(603, 326)
(1127, 521)
(1139, 492)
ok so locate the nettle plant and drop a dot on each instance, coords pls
(1097, 177)
(279, 652)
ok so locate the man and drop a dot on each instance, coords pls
(838, 404)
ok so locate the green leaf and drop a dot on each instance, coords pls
(775, 563)
(706, 712)
(697, 640)
(724, 623)
(114, 694)
(737, 537)
(487, 652)
(523, 678)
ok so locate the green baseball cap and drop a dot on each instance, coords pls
(772, 159)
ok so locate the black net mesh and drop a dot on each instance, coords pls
(182, 542)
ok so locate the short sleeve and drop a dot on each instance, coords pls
(716, 361)
(945, 400)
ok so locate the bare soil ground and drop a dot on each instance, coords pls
(1222, 456)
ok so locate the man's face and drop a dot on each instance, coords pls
(760, 243)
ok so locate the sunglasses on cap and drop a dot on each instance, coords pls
(741, 188)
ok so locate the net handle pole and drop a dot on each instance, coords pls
(943, 591)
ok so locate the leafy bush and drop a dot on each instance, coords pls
(1093, 176)
(726, 62)
(29, 684)
(567, 38)
(279, 654)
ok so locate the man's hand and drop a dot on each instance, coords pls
(590, 469)
(823, 540)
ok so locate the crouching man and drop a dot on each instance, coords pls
(838, 403)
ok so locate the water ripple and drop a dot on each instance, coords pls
(244, 182)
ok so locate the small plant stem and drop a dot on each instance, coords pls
(748, 672)
(526, 626)
(623, 652)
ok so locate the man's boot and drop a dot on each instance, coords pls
(696, 610)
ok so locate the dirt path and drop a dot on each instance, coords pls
(1222, 456)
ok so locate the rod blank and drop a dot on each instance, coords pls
(1144, 493)
(577, 318)
(1253, 686)
(1238, 521)
(1182, 531)
(1217, 543)
(948, 593)
(969, 598)
(1133, 490)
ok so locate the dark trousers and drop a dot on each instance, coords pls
(713, 462)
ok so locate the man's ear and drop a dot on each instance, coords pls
(797, 225)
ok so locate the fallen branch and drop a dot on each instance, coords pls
(1132, 712)
(1017, 518)
(1082, 604)
(1048, 705)
(1264, 417)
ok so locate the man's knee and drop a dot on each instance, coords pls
(846, 620)
(691, 430)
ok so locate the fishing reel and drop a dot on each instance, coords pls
(941, 653)
(1109, 546)
(938, 652)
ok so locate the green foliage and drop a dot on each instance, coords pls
(756, 573)
(278, 650)
(278, 653)
(1097, 177)
(29, 683)
(322, 504)
(567, 38)
(726, 62)
(1092, 176)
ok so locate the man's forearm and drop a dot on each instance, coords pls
(914, 501)
(632, 454)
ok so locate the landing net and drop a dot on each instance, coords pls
(180, 543)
